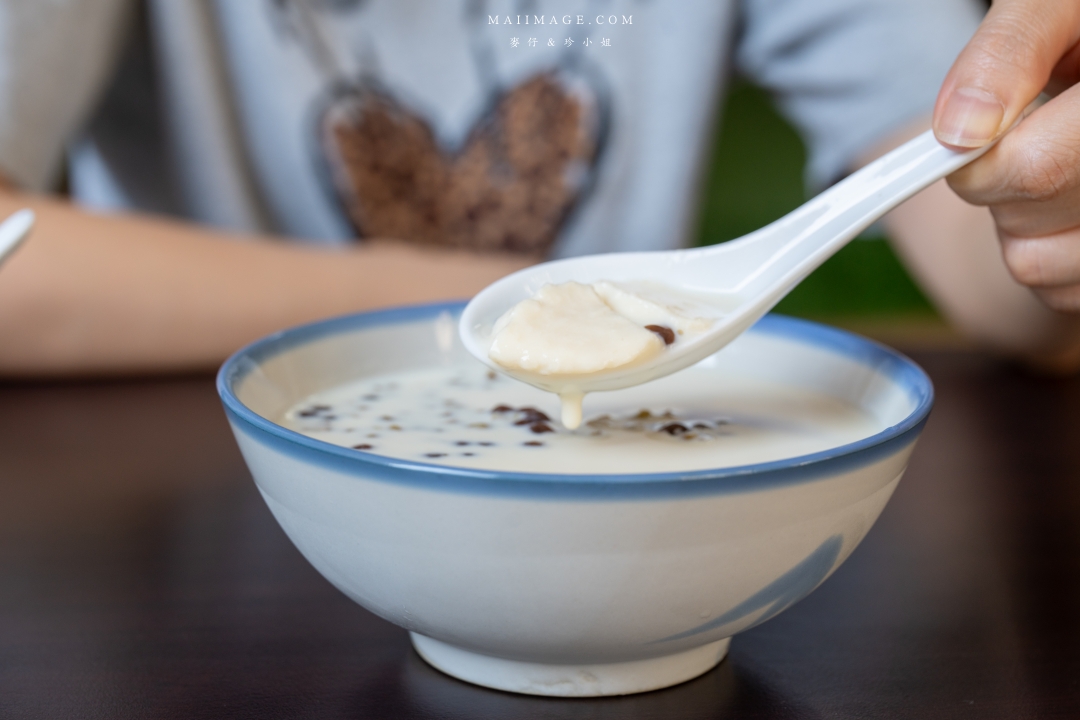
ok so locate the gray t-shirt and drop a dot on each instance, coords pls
(573, 127)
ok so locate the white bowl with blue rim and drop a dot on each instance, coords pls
(569, 585)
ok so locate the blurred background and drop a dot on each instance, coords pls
(755, 177)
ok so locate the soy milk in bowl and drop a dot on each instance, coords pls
(616, 557)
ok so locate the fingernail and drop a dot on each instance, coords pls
(970, 118)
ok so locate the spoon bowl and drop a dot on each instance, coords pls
(736, 282)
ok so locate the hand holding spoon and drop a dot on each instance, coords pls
(736, 282)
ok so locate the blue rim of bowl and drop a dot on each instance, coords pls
(738, 479)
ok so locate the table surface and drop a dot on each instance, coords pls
(141, 575)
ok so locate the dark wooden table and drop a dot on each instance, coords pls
(142, 576)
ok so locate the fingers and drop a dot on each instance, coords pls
(1049, 265)
(1031, 178)
(1066, 299)
(1067, 72)
(1031, 181)
(1008, 62)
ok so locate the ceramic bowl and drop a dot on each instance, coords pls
(571, 585)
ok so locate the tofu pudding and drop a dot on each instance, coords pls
(466, 415)
(569, 332)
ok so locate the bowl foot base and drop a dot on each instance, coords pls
(571, 680)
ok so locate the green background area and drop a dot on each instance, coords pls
(756, 176)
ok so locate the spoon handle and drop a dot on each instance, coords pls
(13, 230)
(798, 243)
(869, 193)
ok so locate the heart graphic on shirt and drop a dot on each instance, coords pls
(512, 184)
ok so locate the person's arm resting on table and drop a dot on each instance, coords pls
(121, 293)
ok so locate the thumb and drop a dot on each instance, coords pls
(1003, 68)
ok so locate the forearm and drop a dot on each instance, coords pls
(115, 294)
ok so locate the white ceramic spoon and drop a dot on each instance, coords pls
(742, 279)
(14, 230)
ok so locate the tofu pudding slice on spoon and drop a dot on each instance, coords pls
(605, 322)
(570, 332)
